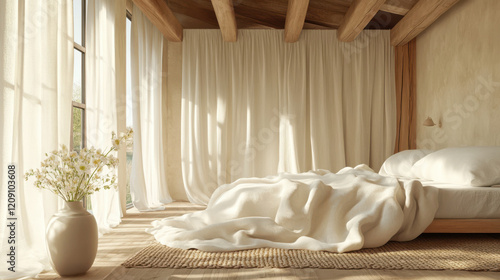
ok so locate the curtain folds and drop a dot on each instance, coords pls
(261, 106)
(406, 100)
(105, 95)
(36, 74)
(148, 183)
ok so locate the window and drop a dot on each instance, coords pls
(129, 106)
(78, 115)
(78, 123)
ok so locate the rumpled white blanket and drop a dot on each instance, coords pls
(353, 209)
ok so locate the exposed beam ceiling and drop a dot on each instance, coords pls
(423, 14)
(357, 17)
(320, 13)
(260, 14)
(162, 17)
(295, 16)
(349, 16)
(227, 21)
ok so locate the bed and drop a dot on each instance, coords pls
(450, 190)
(463, 208)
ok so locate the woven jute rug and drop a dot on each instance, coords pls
(476, 252)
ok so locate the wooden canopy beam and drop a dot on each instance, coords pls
(295, 17)
(162, 17)
(423, 14)
(227, 21)
(357, 17)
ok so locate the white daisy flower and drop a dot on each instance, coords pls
(82, 168)
(116, 143)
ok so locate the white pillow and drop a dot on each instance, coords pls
(473, 166)
(400, 164)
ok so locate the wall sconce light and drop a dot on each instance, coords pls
(430, 122)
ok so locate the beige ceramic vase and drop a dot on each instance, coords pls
(72, 239)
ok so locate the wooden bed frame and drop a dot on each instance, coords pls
(464, 226)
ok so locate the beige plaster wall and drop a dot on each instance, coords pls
(458, 77)
(172, 93)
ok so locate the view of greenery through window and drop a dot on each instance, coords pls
(77, 128)
(77, 116)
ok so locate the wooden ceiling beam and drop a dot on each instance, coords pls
(294, 22)
(423, 14)
(394, 9)
(357, 17)
(227, 21)
(398, 7)
(162, 17)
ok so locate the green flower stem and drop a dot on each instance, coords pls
(78, 187)
(63, 175)
(56, 186)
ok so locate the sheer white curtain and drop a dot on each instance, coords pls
(36, 74)
(261, 106)
(148, 184)
(105, 94)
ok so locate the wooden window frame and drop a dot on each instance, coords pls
(81, 105)
(129, 17)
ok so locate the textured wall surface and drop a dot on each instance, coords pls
(458, 77)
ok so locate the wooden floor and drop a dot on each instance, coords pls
(129, 237)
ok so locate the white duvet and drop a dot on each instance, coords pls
(353, 209)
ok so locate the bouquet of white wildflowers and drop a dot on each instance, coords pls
(74, 175)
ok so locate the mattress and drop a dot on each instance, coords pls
(464, 202)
